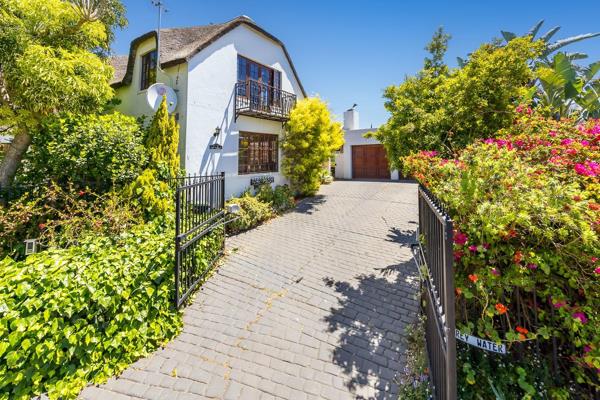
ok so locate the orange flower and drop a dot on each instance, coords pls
(501, 308)
(458, 291)
(522, 330)
(522, 337)
(518, 257)
(473, 278)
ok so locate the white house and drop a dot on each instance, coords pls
(360, 157)
(235, 85)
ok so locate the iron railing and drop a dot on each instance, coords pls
(434, 255)
(256, 99)
(199, 230)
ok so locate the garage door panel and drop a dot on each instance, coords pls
(370, 162)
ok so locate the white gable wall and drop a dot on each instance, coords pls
(211, 78)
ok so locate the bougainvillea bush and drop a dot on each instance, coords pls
(526, 206)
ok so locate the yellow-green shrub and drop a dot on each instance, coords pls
(310, 139)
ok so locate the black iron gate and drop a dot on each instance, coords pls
(199, 230)
(435, 257)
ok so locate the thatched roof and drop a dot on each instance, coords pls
(179, 45)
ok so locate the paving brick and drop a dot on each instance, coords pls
(312, 305)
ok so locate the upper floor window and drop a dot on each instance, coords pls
(251, 70)
(148, 76)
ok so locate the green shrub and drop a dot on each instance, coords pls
(68, 317)
(96, 149)
(162, 141)
(252, 212)
(310, 139)
(152, 196)
(526, 211)
(62, 217)
(280, 198)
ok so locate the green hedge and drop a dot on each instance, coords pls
(68, 317)
(252, 213)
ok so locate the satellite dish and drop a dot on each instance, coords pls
(155, 93)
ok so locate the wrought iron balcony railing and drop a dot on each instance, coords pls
(255, 99)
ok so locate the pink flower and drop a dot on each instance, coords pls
(519, 108)
(589, 168)
(552, 134)
(597, 270)
(587, 348)
(585, 143)
(473, 248)
(486, 246)
(580, 316)
(458, 255)
(488, 141)
(494, 271)
(460, 238)
(566, 142)
(429, 153)
(559, 304)
(532, 266)
(594, 259)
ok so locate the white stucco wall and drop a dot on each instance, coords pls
(343, 160)
(211, 78)
(133, 100)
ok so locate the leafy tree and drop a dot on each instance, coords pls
(447, 112)
(47, 65)
(310, 139)
(99, 150)
(437, 49)
(162, 142)
(567, 90)
(549, 47)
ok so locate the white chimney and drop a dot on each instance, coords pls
(351, 119)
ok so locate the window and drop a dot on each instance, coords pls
(257, 153)
(148, 70)
(250, 70)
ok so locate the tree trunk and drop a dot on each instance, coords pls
(13, 156)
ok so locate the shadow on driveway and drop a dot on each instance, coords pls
(371, 317)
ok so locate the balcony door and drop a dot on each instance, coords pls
(261, 84)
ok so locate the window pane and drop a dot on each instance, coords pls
(148, 70)
(257, 153)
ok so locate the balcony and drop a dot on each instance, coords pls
(255, 99)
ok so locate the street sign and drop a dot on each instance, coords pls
(483, 344)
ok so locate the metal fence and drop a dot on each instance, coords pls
(199, 230)
(434, 255)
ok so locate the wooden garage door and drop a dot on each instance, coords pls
(370, 162)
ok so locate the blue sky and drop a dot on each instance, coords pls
(349, 51)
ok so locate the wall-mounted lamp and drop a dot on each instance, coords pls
(31, 246)
(217, 131)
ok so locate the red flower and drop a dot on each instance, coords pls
(473, 278)
(522, 330)
(577, 198)
(501, 308)
(473, 248)
(594, 206)
(41, 226)
(81, 193)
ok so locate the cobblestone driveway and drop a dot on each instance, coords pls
(311, 305)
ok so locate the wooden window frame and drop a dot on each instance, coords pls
(274, 74)
(259, 156)
(148, 72)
